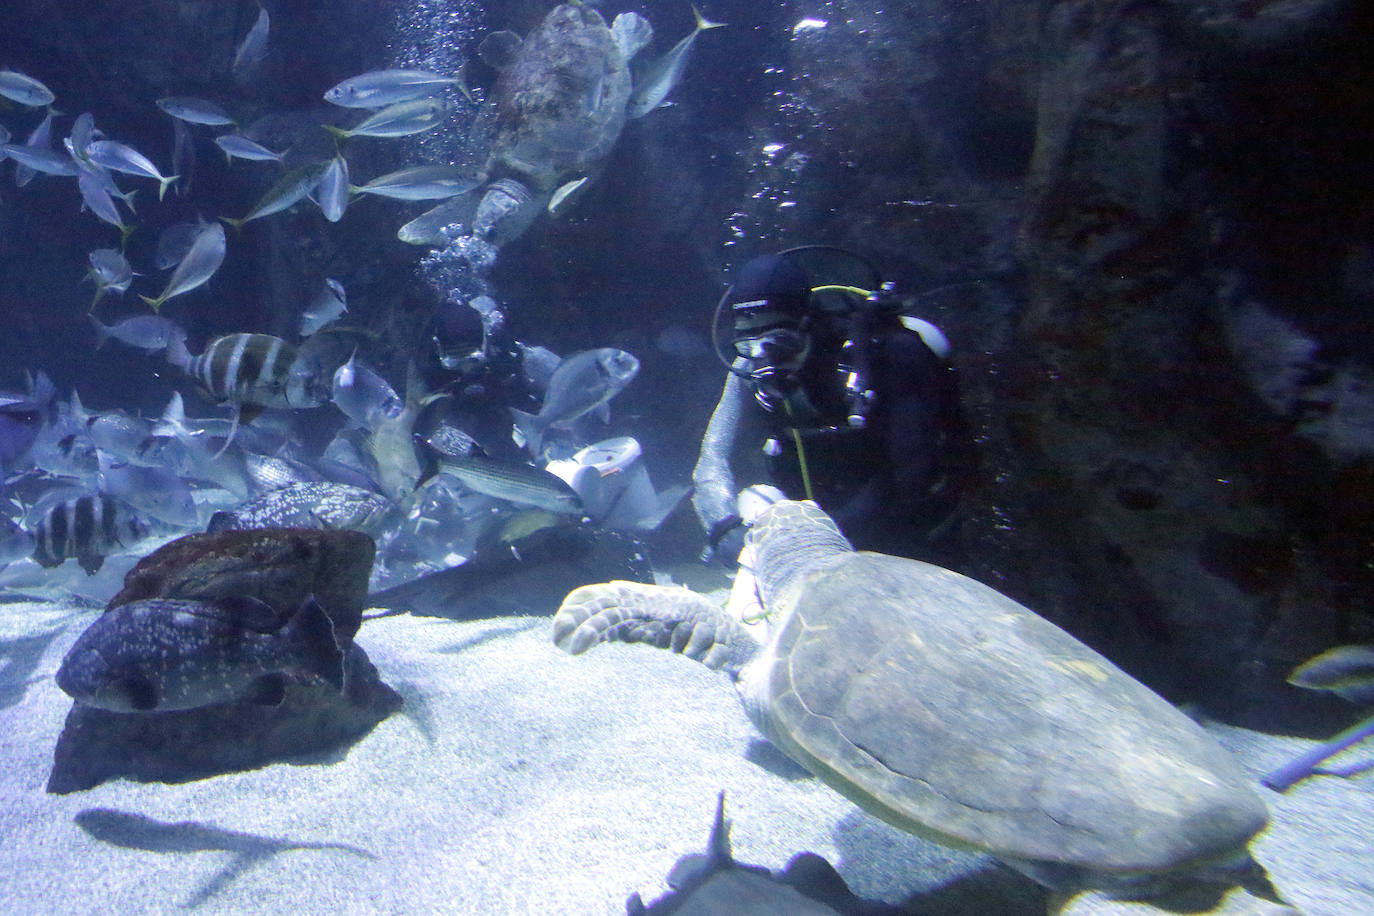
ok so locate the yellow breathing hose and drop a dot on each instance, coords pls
(801, 455)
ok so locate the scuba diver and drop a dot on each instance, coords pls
(848, 402)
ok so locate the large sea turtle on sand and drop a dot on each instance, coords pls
(947, 709)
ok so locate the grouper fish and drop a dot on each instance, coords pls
(161, 654)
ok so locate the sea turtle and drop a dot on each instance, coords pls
(947, 709)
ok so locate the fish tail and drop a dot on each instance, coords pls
(530, 429)
(154, 304)
(703, 23)
(311, 639)
(162, 186)
(338, 132)
(235, 223)
(102, 333)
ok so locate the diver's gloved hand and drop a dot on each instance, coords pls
(725, 541)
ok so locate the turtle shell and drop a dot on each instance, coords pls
(560, 105)
(951, 711)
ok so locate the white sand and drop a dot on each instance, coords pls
(518, 780)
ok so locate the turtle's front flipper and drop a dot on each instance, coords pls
(667, 617)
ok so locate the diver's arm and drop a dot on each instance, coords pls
(714, 488)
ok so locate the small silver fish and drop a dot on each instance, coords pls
(151, 333)
(379, 88)
(329, 304)
(18, 87)
(364, 396)
(110, 272)
(195, 111)
(294, 187)
(202, 260)
(332, 191)
(173, 243)
(421, 182)
(112, 154)
(662, 75)
(253, 49)
(583, 382)
(99, 201)
(47, 161)
(240, 147)
(398, 120)
(517, 483)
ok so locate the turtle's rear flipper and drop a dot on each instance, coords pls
(667, 617)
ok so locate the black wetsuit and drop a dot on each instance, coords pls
(892, 483)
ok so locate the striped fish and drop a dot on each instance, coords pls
(86, 527)
(256, 369)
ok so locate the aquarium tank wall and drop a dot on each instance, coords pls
(979, 397)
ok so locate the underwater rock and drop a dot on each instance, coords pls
(278, 566)
(282, 568)
(312, 719)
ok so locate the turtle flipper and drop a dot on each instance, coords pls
(667, 617)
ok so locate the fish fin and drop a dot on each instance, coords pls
(154, 304)
(603, 411)
(233, 428)
(177, 354)
(91, 563)
(162, 186)
(703, 23)
(102, 333)
(529, 428)
(312, 639)
(268, 690)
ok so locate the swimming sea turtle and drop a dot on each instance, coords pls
(947, 709)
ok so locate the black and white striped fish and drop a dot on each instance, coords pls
(87, 527)
(254, 369)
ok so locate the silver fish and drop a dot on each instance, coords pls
(47, 161)
(173, 243)
(202, 259)
(332, 191)
(253, 48)
(163, 654)
(150, 333)
(421, 182)
(295, 186)
(662, 75)
(18, 87)
(99, 202)
(88, 528)
(112, 154)
(326, 308)
(110, 271)
(195, 111)
(583, 382)
(83, 132)
(183, 156)
(154, 492)
(379, 88)
(364, 396)
(239, 146)
(517, 483)
(398, 120)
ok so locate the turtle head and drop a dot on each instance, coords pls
(789, 539)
